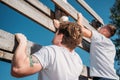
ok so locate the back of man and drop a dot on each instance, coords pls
(59, 63)
(102, 54)
(102, 51)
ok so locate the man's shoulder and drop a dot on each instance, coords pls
(96, 35)
(51, 46)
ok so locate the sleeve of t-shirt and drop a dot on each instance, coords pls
(95, 35)
(43, 56)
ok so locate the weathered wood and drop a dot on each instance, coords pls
(41, 7)
(31, 12)
(85, 74)
(8, 43)
(4, 43)
(85, 71)
(90, 10)
(72, 12)
(6, 55)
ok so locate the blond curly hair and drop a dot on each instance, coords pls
(72, 34)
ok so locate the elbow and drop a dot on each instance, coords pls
(16, 72)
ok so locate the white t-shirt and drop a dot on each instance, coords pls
(58, 63)
(102, 54)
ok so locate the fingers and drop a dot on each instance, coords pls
(21, 38)
(80, 19)
(56, 23)
(79, 15)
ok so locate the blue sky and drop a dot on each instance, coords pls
(13, 22)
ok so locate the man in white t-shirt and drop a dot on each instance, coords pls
(102, 51)
(55, 62)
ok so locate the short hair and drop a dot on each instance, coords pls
(72, 34)
(111, 28)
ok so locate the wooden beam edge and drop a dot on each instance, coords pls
(90, 10)
(31, 12)
(40, 6)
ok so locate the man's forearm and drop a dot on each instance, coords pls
(20, 57)
(23, 64)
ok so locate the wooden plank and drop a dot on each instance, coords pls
(8, 43)
(72, 12)
(85, 71)
(31, 12)
(12, 43)
(6, 55)
(4, 37)
(42, 7)
(90, 10)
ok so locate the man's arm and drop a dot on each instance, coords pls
(56, 23)
(24, 64)
(86, 32)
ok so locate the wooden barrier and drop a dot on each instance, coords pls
(38, 12)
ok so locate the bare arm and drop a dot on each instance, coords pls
(86, 32)
(56, 23)
(24, 64)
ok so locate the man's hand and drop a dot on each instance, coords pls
(56, 23)
(80, 19)
(21, 38)
(86, 32)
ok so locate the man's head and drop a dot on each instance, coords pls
(68, 34)
(107, 30)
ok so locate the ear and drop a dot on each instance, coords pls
(106, 33)
(59, 39)
(60, 36)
